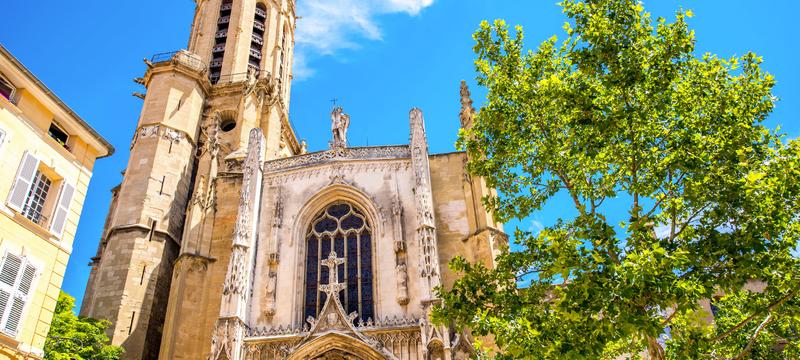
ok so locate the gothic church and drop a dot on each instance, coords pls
(228, 240)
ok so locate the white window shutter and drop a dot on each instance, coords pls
(26, 282)
(4, 296)
(10, 270)
(22, 184)
(14, 315)
(62, 210)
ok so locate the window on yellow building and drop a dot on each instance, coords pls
(33, 197)
(16, 284)
(58, 134)
(37, 196)
(7, 89)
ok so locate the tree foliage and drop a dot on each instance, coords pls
(77, 338)
(623, 110)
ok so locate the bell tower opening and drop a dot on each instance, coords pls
(220, 40)
(257, 41)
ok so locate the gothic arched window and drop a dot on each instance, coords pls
(344, 229)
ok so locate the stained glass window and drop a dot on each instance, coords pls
(344, 229)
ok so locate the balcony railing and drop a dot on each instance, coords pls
(216, 63)
(238, 77)
(180, 57)
(219, 48)
(261, 12)
(258, 39)
(222, 34)
(259, 26)
(35, 216)
(255, 53)
(226, 7)
(224, 20)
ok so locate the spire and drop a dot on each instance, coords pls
(467, 111)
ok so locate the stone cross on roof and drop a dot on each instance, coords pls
(333, 287)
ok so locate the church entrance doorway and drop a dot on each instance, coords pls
(337, 355)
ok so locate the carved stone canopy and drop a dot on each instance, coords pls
(337, 355)
(333, 324)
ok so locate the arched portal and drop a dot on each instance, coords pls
(336, 346)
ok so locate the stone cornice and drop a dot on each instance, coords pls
(340, 154)
(143, 228)
(160, 130)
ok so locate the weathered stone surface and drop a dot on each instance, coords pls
(229, 245)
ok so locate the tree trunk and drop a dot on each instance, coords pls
(654, 348)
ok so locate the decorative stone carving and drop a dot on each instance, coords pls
(332, 318)
(461, 348)
(350, 168)
(224, 342)
(338, 154)
(401, 269)
(333, 287)
(402, 284)
(340, 122)
(467, 111)
(236, 288)
(273, 255)
(401, 343)
(151, 131)
(426, 224)
(276, 331)
(236, 281)
(272, 281)
(271, 350)
(188, 263)
(212, 131)
(233, 165)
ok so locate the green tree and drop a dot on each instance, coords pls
(624, 111)
(77, 338)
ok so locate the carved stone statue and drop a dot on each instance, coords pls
(340, 122)
(271, 286)
(402, 284)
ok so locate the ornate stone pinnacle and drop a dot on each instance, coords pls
(467, 110)
(333, 287)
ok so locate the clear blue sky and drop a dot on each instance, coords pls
(403, 54)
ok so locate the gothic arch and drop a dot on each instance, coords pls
(336, 342)
(337, 192)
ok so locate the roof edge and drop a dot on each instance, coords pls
(110, 148)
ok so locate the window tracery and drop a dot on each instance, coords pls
(342, 228)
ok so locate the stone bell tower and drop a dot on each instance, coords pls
(199, 107)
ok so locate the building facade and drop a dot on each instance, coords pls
(227, 240)
(47, 153)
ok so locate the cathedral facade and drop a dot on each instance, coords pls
(228, 240)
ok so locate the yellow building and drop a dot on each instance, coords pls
(46, 155)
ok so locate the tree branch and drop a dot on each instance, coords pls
(752, 340)
(689, 221)
(571, 189)
(744, 322)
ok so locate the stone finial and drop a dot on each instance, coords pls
(467, 111)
